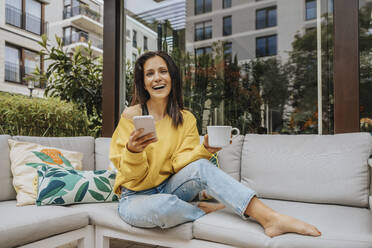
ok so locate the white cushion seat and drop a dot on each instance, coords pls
(22, 225)
(341, 227)
(106, 215)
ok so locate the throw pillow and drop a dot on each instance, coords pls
(58, 186)
(26, 156)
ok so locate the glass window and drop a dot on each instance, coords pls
(365, 64)
(12, 64)
(13, 12)
(33, 16)
(266, 18)
(226, 4)
(203, 6)
(134, 41)
(203, 51)
(203, 30)
(266, 46)
(310, 9)
(31, 61)
(227, 51)
(270, 87)
(227, 25)
(145, 43)
(134, 57)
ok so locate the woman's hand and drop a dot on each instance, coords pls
(138, 143)
(210, 149)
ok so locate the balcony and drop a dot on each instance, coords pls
(26, 21)
(82, 39)
(84, 17)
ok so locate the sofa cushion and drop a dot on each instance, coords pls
(106, 215)
(22, 225)
(310, 168)
(224, 226)
(102, 153)
(82, 144)
(57, 186)
(341, 226)
(7, 191)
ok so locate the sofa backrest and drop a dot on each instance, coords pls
(102, 153)
(310, 168)
(83, 144)
(7, 191)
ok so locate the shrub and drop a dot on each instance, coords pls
(21, 115)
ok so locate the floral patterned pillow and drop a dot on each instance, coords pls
(57, 186)
(25, 157)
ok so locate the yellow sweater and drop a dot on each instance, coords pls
(174, 149)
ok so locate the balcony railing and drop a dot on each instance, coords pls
(26, 21)
(15, 73)
(69, 12)
(82, 37)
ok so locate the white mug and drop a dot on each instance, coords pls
(219, 136)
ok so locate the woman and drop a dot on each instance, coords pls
(158, 176)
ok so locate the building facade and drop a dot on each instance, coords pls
(248, 29)
(22, 22)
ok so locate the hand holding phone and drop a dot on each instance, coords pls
(144, 134)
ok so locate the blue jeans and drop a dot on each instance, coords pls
(167, 205)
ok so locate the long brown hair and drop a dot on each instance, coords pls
(175, 99)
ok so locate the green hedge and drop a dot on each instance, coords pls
(21, 115)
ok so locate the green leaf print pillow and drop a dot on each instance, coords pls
(57, 186)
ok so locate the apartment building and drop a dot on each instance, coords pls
(22, 22)
(139, 38)
(77, 22)
(249, 28)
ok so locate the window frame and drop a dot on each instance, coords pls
(267, 10)
(204, 9)
(134, 38)
(224, 50)
(266, 37)
(21, 60)
(204, 49)
(226, 4)
(23, 18)
(223, 25)
(306, 16)
(204, 29)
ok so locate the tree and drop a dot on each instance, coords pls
(75, 77)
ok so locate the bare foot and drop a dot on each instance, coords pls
(281, 223)
(209, 207)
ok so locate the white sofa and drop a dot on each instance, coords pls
(323, 180)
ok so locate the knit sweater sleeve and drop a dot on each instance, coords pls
(131, 166)
(189, 149)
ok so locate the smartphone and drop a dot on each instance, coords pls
(146, 122)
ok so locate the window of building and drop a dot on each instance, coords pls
(203, 51)
(73, 35)
(266, 17)
(226, 4)
(203, 6)
(227, 25)
(20, 62)
(266, 46)
(145, 45)
(134, 57)
(227, 51)
(134, 41)
(25, 14)
(203, 30)
(310, 9)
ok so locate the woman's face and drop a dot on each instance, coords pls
(157, 79)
